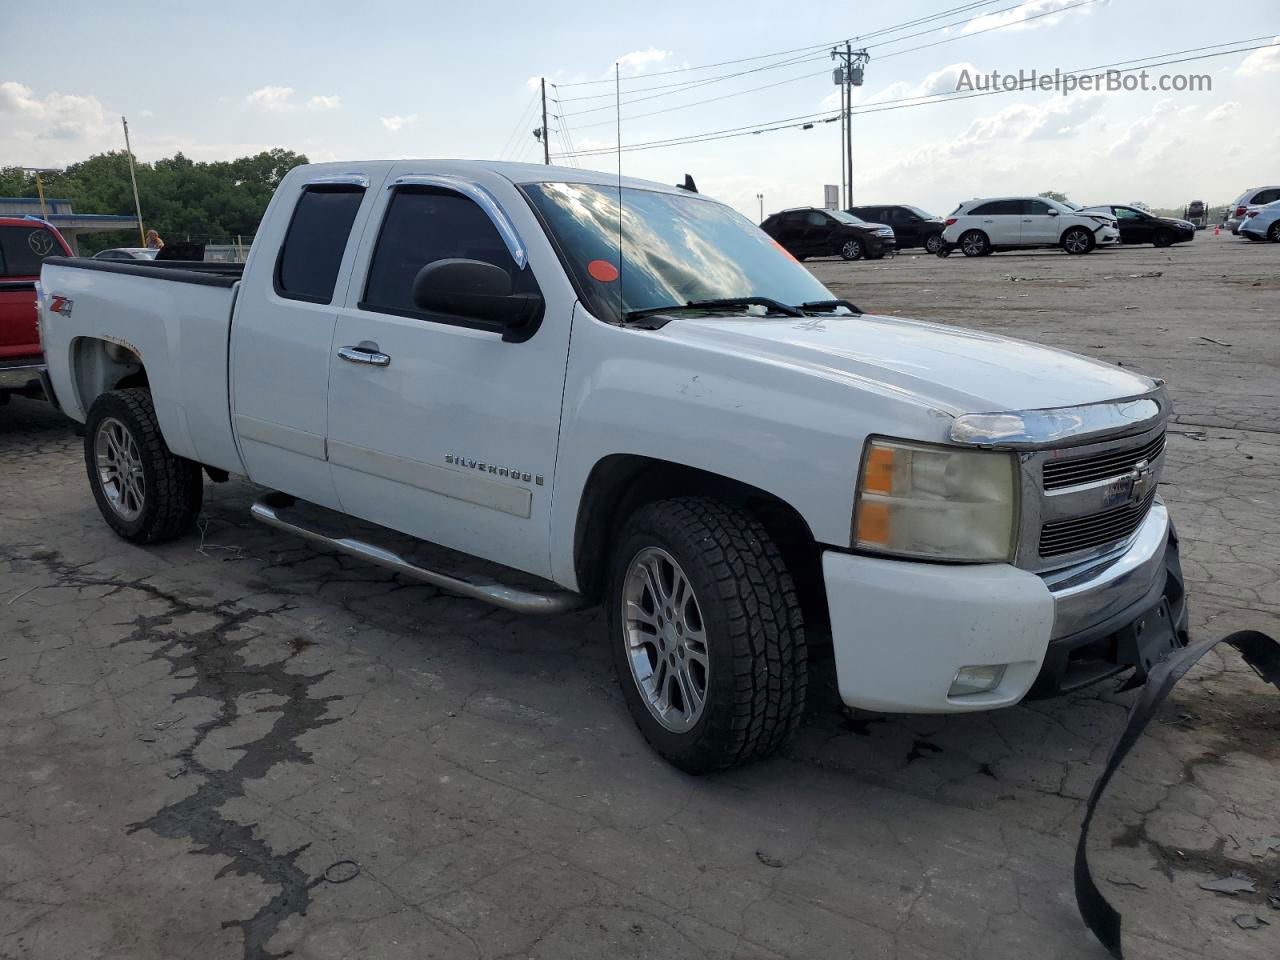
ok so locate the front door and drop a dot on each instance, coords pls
(1135, 227)
(1040, 227)
(438, 427)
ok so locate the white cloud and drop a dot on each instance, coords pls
(278, 99)
(1266, 60)
(1019, 18)
(1222, 112)
(57, 116)
(324, 103)
(1140, 131)
(396, 124)
(637, 60)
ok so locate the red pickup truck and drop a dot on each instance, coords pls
(24, 244)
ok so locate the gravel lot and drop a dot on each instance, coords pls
(195, 737)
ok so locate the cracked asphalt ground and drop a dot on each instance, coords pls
(191, 735)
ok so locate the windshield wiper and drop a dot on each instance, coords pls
(775, 306)
(817, 305)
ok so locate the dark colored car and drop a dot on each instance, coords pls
(912, 227)
(24, 245)
(1138, 226)
(813, 232)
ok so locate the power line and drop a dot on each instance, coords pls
(778, 53)
(919, 101)
(525, 119)
(978, 33)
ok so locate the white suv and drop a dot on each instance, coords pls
(980, 227)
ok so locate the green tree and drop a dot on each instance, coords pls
(1053, 195)
(181, 198)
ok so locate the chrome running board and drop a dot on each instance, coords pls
(270, 508)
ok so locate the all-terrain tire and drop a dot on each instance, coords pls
(173, 487)
(758, 661)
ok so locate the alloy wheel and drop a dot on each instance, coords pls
(852, 250)
(1076, 241)
(120, 473)
(666, 639)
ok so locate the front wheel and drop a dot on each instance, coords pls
(1078, 240)
(144, 492)
(933, 243)
(1164, 239)
(851, 250)
(706, 633)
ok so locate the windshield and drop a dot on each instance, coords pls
(846, 217)
(677, 249)
(921, 214)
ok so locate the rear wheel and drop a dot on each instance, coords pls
(851, 250)
(706, 633)
(144, 492)
(974, 243)
(933, 243)
(1077, 240)
(1273, 234)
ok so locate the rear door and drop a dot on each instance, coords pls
(1000, 220)
(438, 427)
(282, 332)
(23, 248)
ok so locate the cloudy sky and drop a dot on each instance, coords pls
(400, 79)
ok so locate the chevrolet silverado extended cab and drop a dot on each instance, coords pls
(25, 243)
(627, 394)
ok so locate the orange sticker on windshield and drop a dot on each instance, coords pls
(783, 249)
(602, 270)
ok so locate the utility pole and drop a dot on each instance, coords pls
(546, 141)
(44, 209)
(133, 178)
(848, 75)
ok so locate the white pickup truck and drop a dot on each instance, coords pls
(625, 393)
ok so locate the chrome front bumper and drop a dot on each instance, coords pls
(1093, 593)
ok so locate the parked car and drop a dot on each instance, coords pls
(127, 253)
(720, 452)
(1253, 197)
(24, 245)
(983, 226)
(814, 232)
(1263, 223)
(912, 227)
(1141, 226)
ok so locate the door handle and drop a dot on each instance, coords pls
(365, 352)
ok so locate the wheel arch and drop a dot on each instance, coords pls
(99, 365)
(620, 484)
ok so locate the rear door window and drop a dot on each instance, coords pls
(24, 249)
(307, 268)
(1266, 196)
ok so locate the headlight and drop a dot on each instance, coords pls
(936, 502)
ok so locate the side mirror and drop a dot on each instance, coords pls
(477, 291)
(1053, 212)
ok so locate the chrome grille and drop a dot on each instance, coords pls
(1084, 533)
(1100, 466)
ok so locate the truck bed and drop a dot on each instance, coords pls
(171, 317)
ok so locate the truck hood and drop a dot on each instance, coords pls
(946, 368)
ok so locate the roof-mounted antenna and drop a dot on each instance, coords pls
(617, 109)
(688, 184)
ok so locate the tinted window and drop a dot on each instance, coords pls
(423, 225)
(1035, 208)
(987, 209)
(1127, 213)
(307, 268)
(1267, 196)
(816, 219)
(23, 249)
